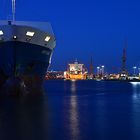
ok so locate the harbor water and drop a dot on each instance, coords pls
(74, 110)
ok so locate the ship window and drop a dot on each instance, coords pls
(47, 38)
(30, 33)
(1, 32)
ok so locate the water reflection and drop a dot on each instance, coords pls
(66, 113)
(135, 83)
(22, 118)
(73, 86)
(136, 107)
(74, 116)
(136, 89)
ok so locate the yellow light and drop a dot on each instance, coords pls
(30, 33)
(47, 38)
(1, 32)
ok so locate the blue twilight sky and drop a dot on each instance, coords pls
(97, 28)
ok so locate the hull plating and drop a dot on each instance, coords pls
(23, 66)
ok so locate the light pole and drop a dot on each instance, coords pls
(103, 70)
(98, 70)
(134, 68)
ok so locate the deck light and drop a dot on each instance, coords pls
(1, 32)
(47, 38)
(30, 33)
(14, 37)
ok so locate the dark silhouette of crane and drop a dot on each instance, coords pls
(124, 61)
(124, 73)
(91, 66)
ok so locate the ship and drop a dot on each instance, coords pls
(75, 71)
(26, 49)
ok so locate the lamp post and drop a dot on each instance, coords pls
(98, 70)
(103, 70)
(134, 68)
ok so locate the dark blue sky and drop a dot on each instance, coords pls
(97, 28)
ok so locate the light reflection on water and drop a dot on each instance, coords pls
(112, 115)
(74, 111)
(74, 116)
(73, 87)
(136, 89)
(136, 108)
(135, 83)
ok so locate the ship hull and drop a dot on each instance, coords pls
(25, 54)
(23, 66)
(76, 77)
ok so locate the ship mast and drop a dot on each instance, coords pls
(14, 48)
(13, 9)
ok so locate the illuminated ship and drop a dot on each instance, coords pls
(75, 71)
(25, 54)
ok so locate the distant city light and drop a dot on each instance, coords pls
(47, 38)
(139, 70)
(102, 70)
(1, 32)
(30, 33)
(134, 70)
(134, 67)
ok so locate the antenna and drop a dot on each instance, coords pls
(91, 66)
(124, 59)
(13, 9)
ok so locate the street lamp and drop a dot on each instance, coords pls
(103, 70)
(134, 68)
(98, 69)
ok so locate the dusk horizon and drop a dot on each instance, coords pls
(69, 70)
